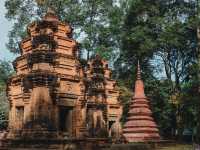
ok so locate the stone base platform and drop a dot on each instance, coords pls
(134, 146)
(150, 145)
(53, 144)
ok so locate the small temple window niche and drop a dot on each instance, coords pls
(110, 124)
(20, 113)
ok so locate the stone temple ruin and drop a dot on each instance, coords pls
(54, 98)
(59, 104)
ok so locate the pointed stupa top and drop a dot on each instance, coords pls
(138, 71)
(140, 125)
(139, 85)
(50, 10)
(50, 15)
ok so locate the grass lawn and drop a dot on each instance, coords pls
(177, 147)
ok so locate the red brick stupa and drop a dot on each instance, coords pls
(140, 126)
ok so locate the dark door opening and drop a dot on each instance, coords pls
(110, 124)
(65, 119)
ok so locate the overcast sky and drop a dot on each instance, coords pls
(5, 26)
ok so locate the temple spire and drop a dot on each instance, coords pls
(139, 85)
(51, 15)
(140, 125)
(50, 10)
(138, 71)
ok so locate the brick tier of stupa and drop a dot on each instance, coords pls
(140, 125)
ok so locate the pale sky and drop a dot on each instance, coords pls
(5, 27)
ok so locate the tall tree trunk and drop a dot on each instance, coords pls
(198, 59)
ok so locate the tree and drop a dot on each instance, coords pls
(89, 18)
(138, 39)
(177, 41)
(157, 32)
(163, 111)
(5, 72)
(154, 30)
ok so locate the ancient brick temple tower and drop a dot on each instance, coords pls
(53, 97)
(140, 126)
(102, 97)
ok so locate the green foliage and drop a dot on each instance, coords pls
(4, 107)
(89, 18)
(164, 112)
(125, 99)
(163, 31)
(189, 103)
(140, 30)
(5, 72)
(125, 32)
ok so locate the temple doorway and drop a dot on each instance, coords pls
(110, 124)
(65, 120)
(19, 116)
